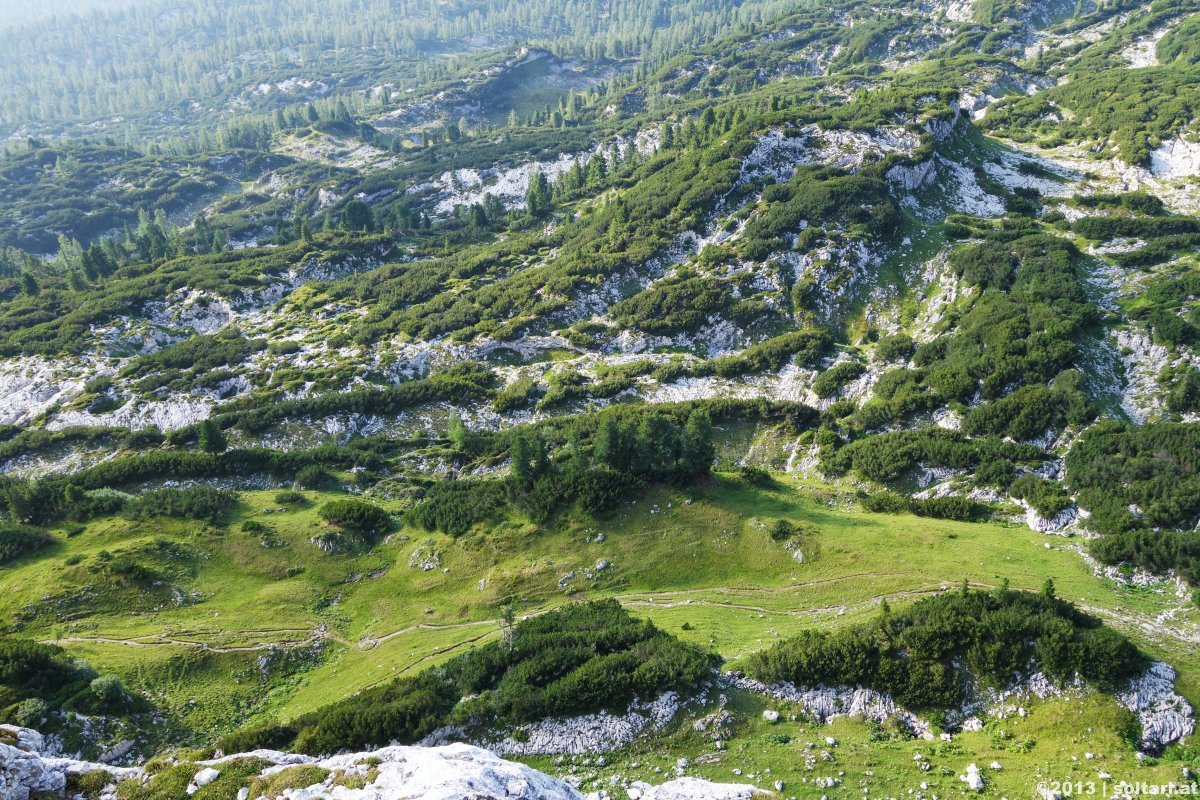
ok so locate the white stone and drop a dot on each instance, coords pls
(972, 778)
(1165, 716)
(694, 789)
(206, 776)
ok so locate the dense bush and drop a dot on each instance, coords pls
(915, 654)
(1046, 497)
(950, 507)
(895, 347)
(831, 381)
(1142, 487)
(1153, 468)
(19, 540)
(605, 456)
(87, 492)
(195, 502)
(889, 455)
(366, 519)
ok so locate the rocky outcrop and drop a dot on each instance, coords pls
(26, 773)
(693, 789)
(941, 127)
(911, 177)
(1059, 523)
(582, 735)
(452, 772)
(1175, 158)
(432, 773)
(827, 703)
(1165, 716)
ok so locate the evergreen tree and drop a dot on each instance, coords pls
(606, 448)
(528, 454)
(357, 216)
(657, 445)
(210, 437)
(698, 449)
(460, 435)
(537, 198)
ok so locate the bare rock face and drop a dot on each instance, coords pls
(581, 735)
(450, 772)
(1165, 716)
(26, 773)
(693, 789)
(826, 703)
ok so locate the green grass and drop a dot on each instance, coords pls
(332, 625)
(1051, 743)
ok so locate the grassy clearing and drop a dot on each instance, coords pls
(699, 562)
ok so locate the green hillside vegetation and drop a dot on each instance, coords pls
(914, 654)
(578, 659)
(375, 367)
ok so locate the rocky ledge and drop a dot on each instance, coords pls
(449, 772)
(1165, 716)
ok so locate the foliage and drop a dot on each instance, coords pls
(574, 660)
(195, 502)
(1141, 486)
(889, 455)
(366, 519)
(913, 654)
(20, 540)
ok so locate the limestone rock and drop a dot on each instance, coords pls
(972, 778)
(1165, 716)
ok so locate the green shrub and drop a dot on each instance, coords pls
(20, 540)
(315, 477)
(195, 502)
(368, 520)
(916, 654)
(831, 381)
(950, 507)
(290, 498)
(886, 503)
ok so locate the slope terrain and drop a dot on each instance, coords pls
(850, 348)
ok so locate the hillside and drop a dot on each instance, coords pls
(850, 348)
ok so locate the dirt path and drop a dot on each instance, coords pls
(161, 639)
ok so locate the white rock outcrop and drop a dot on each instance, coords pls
(582, 735)
(25, 773)
(1175, 158)
(1165, 716)
(972, 778)
(1059, 523)
(828, 703)
(693, 789)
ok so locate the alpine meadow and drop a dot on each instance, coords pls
(599, 399)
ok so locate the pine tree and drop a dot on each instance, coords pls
(606, 449)
(460, 435)
(657, 445)
(698, 449)
(30, 285)
(537, 198)
(211, 438)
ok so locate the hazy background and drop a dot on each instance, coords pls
(13, 12)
